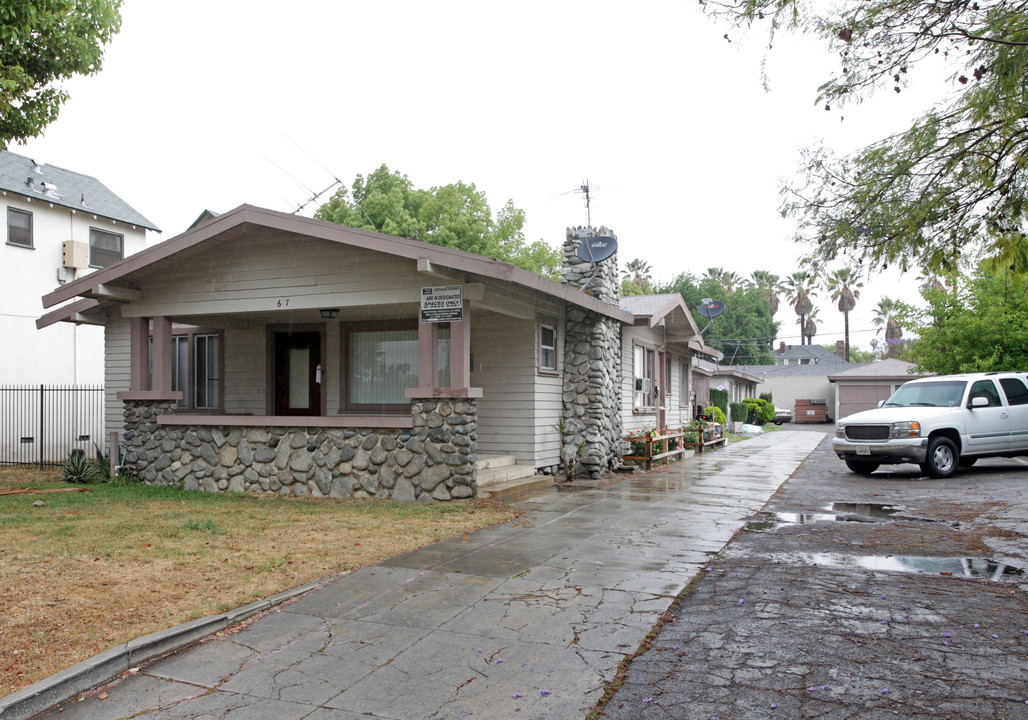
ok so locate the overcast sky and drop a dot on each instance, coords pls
(211, 104)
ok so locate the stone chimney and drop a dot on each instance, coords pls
(840, 348)
(781, 348)
(592, 363)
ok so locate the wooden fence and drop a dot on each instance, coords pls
(710, 435)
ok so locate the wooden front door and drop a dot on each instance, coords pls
(298, 373)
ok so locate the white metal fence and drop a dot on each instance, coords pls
(42, 424)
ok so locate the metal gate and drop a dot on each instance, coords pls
(42, 424)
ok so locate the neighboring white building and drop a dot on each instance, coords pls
(59, 225)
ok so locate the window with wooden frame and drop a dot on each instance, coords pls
(197, 362)
(667, 373)
(547, 348)
(644, 379)
(19, 227)
(683, 385)
(379, 361)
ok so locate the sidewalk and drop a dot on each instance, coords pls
(531, 617)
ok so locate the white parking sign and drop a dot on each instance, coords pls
(442, 304)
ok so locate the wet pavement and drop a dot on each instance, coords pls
(853, 597)
(530, 619)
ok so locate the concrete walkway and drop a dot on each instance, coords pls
(528, 619)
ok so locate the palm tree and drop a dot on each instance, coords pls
(885, 318)
(800, 287)
(845, 288)
(638, 271)
(811, 325)
(769, 285)
(929, 281)
(726, 279)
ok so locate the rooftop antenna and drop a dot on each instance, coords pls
(588, 214)
(314, 196)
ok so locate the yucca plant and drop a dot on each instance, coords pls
(77, 468)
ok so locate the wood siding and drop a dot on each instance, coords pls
(265, 273)
(675, 414)
(116, 375)
(519, 407)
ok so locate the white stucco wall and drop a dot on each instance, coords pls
(61, 354)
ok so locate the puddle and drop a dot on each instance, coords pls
(978, 568)
(838, 512)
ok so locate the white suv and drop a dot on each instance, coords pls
(940, 423)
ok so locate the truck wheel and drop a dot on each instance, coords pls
(862, 467)
(942, 458)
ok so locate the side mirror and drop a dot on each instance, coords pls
(978, 402)
(880, 403)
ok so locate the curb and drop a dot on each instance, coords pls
(106, 666)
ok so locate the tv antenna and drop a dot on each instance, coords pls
(588, 214)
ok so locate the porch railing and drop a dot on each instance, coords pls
(710, 435)
(42, 424)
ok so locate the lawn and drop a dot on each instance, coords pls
(90, 568)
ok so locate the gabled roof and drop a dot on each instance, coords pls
(711, 369)
(812, 351)
(829, 365)
(112, 281)
(669, 308)
(23, 176)
(888, 369)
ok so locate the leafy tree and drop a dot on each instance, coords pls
(800, 286)
(926, 196)
(744, 332)
(844, 286)
(981, 328)
(455, 215)
(43, 42)
(638, 272)
(857, 355)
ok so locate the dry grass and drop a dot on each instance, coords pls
(91, 570)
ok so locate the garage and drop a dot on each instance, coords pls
(863, 387)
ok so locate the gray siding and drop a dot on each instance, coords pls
(116, 374)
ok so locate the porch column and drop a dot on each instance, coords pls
(428, 369)
(139, 354)
(161, 355)
(460, 350)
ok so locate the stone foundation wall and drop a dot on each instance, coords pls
(435, 460)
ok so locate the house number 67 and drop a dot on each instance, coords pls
(283, 303)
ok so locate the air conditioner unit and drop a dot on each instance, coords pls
(75, 254)
(642, 384)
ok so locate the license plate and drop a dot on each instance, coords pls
(863, 450)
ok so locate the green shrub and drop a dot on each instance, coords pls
(77, 468)
(761, 411)
(740, 412)
(719, 399)
(767, 397)
(715, 412)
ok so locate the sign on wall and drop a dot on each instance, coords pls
(442, 304)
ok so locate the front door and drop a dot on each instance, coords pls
(298, 373)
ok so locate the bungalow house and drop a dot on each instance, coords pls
(737, 380)
(261, 351)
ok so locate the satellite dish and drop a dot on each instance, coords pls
(711, 308)
(597, 249)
